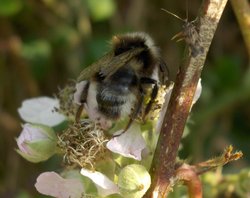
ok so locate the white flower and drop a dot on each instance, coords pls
(164, 107)
(36, 143)
(197, 92)
(41, 111)
(52, 184)
(103, 184)
(129, 144)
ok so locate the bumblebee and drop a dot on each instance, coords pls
(118, 82)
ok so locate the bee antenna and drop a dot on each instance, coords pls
(176, 16)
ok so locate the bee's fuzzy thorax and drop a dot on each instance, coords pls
(125, 42)
(120, 79)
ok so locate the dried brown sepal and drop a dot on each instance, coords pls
(189, 174)
(83, 144)
(189, 34)
(227, 156)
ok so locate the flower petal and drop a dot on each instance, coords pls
(41, 111)
(52, 184)
(129, 144)
(164, 107)
(104, 185)
(197, 92)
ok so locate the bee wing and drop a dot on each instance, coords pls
(108, 64)
(119, 61)
(95, 67)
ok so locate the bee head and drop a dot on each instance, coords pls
(123, 43)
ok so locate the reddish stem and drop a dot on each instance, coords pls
(188, 175)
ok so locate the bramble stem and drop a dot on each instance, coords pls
(163, 165)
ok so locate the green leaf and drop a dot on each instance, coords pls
(101, 10)
(226, 74)
(10, 7)
(37, 49)
(38, 53)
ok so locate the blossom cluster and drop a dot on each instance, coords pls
(97, 162)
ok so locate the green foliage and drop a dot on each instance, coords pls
(96, 49)
(216, 184)
(10, 7)
(227, 185)
(225, 74)
(38, 52)
(101, 10)
(63, 35)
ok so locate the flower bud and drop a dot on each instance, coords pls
(36, 143)
(134, 181)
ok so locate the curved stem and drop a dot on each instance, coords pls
(242, 11)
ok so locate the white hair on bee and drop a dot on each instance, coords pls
(126, 108)
(155, 74)
(92, 107)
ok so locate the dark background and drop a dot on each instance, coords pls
(43, 43)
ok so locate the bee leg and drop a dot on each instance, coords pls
(153, 95)
(79, 112)
(164, 72)
(82, 100)
(135, 112)
(152, 98)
